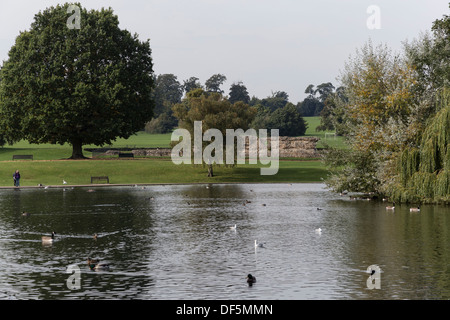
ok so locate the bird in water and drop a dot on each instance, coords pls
(251, 279)
(47, 239)
(391, 207)
(95, 264)
(259, 244)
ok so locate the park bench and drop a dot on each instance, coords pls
(22, 157)
(103, 178)
(126, 155)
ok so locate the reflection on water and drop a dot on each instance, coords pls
(175, 242)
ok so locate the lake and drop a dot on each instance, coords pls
(174, 242)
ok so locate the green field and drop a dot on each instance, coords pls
(49, 166)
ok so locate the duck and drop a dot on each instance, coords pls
(259, 244)
(318, 230)
(414, 209)
(391, 207)
(233, 228)
(64, 182)
(95, 236)
(47, 239)
(95, 264)
(251, 279)
(25, 214)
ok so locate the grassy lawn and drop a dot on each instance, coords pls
(313, 123)
(148, 171)
(50, 168)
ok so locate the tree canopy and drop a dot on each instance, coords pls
(215, 112)
(396, 112)
(78, 86)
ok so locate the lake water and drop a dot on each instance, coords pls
(174, 242)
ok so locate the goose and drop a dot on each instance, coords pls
(46, 239)
(251, 279)
(391, 207)
(96, 264)
(414, 209)
(259, 244)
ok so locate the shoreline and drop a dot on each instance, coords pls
(145, 185)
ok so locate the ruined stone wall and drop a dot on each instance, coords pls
(296, 147)
(290, 147)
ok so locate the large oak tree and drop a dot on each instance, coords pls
(86, 85)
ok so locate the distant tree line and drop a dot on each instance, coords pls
(273, 112)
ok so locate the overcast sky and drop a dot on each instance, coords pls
(269, 45)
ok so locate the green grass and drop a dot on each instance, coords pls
(50, 168)
(149, 171)
(313, 123)
(57, 152)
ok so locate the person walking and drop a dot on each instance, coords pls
(16, 177)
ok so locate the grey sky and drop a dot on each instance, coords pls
(269, 45)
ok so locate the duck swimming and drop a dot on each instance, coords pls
(251, 279)
(414, 209)
(96, 264)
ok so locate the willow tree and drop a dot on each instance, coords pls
(424, 170)
(88, 84)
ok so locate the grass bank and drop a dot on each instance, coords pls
(49, 168)
(151, 171)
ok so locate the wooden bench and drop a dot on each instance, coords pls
(22, 157)
(104, 178)
(126, 155)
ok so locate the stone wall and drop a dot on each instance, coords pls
(290, 147)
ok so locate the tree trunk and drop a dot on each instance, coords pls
(210, 170)
(77, 150)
